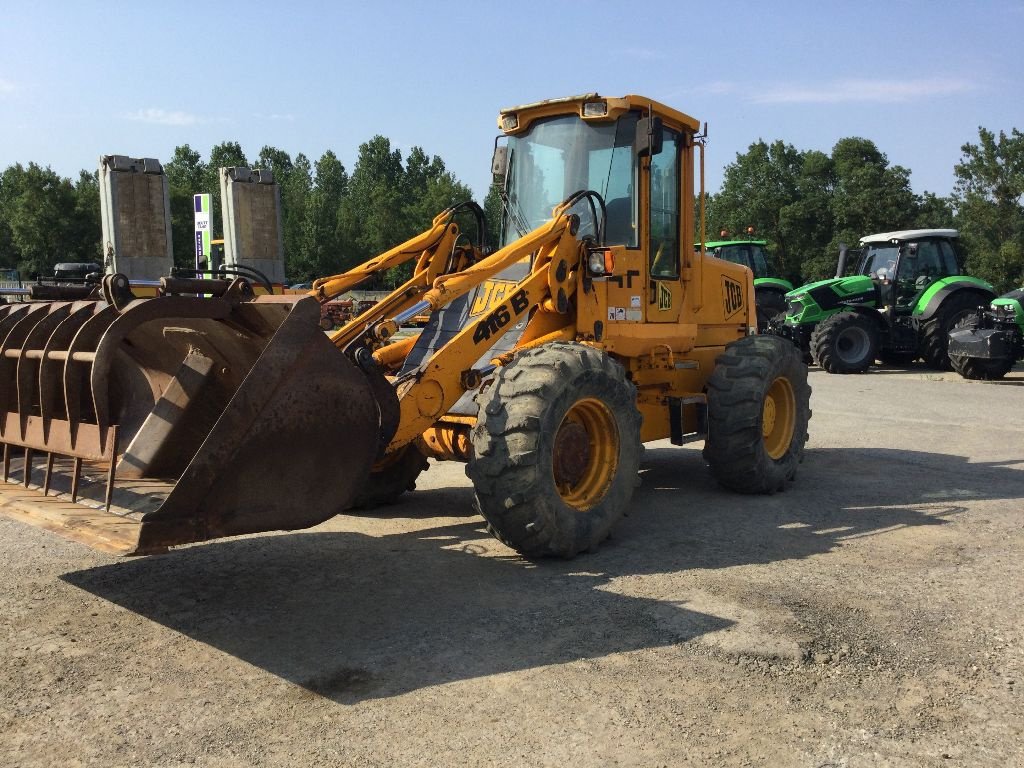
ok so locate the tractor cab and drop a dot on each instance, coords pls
(904, 265)
(770, 288)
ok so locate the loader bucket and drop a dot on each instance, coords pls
(178, 419)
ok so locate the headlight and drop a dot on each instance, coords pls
(595, 109)
(600, 263)
(509, 122)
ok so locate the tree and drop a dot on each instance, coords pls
(988, 194)
(371, 219)
(39, 207)
(322, 250)
(187, 175)
(295, 191)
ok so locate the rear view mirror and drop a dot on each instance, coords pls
(499, 164)
(649, 137)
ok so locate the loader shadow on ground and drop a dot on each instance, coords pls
(354, 617)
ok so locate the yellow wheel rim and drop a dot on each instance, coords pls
(778, 418)
(585, 456)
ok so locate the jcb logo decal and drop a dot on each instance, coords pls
(489, 295)
(664, 297)
(733, 293)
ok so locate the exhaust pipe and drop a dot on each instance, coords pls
(841, 266)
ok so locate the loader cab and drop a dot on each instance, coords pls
(554, 149)
(559, 155)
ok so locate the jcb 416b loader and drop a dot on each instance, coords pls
(138, 424)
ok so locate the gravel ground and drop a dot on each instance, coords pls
(867, 617)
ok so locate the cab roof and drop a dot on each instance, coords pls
(616, 105)
(909, 234)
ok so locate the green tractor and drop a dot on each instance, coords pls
(985, 345)
(769, 288)
(909, 292)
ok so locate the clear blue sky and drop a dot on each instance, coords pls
(81, 79)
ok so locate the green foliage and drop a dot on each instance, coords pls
(46, 219)
(805, 203)
(988, 196)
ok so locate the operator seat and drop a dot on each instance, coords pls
(619, 228)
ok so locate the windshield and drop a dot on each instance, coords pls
(558, 156)
(880, 261)
(751, 256)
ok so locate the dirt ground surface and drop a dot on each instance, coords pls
(869, 616)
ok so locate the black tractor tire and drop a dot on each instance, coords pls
(846, 342)
(758, 409)
(978, 368)
(935, 331)
(391, 478)
(556, 449)
(769, 304)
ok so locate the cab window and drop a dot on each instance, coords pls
(664, 213)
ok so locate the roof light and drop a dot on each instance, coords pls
(723, 234)
(595, 109)
(509, 122)
(750, 230)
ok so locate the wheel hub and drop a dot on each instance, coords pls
(778, 418)
(572, 454)
(585, 453)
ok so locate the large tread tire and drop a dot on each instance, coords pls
(935, 330)
(393, 478)
(523, 420)
(846, 342)
(758, 410)
(978, 368)
(769, 304)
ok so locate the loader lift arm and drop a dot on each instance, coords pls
(428, 392)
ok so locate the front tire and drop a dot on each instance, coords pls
(978, 368)
(935, 331)
(390, 478)
(769, 304)
(758, 409)
(846, 342)
(556, 449)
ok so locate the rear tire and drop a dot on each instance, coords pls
(935, 331)
(978, 368)
(769, 304)
(758, 409)
(846, 342)
(391, 478)
(556, 449)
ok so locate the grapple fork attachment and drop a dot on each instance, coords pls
(178, 419)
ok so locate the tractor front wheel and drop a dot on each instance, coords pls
(978, 368)
(935, 331)
(846, 342)
(556, 449)
(758, 409)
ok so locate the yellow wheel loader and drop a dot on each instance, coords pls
(548, 358)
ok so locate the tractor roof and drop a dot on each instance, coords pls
(720, 243)
(909, 234)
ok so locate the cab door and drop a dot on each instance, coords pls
(664, 229)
